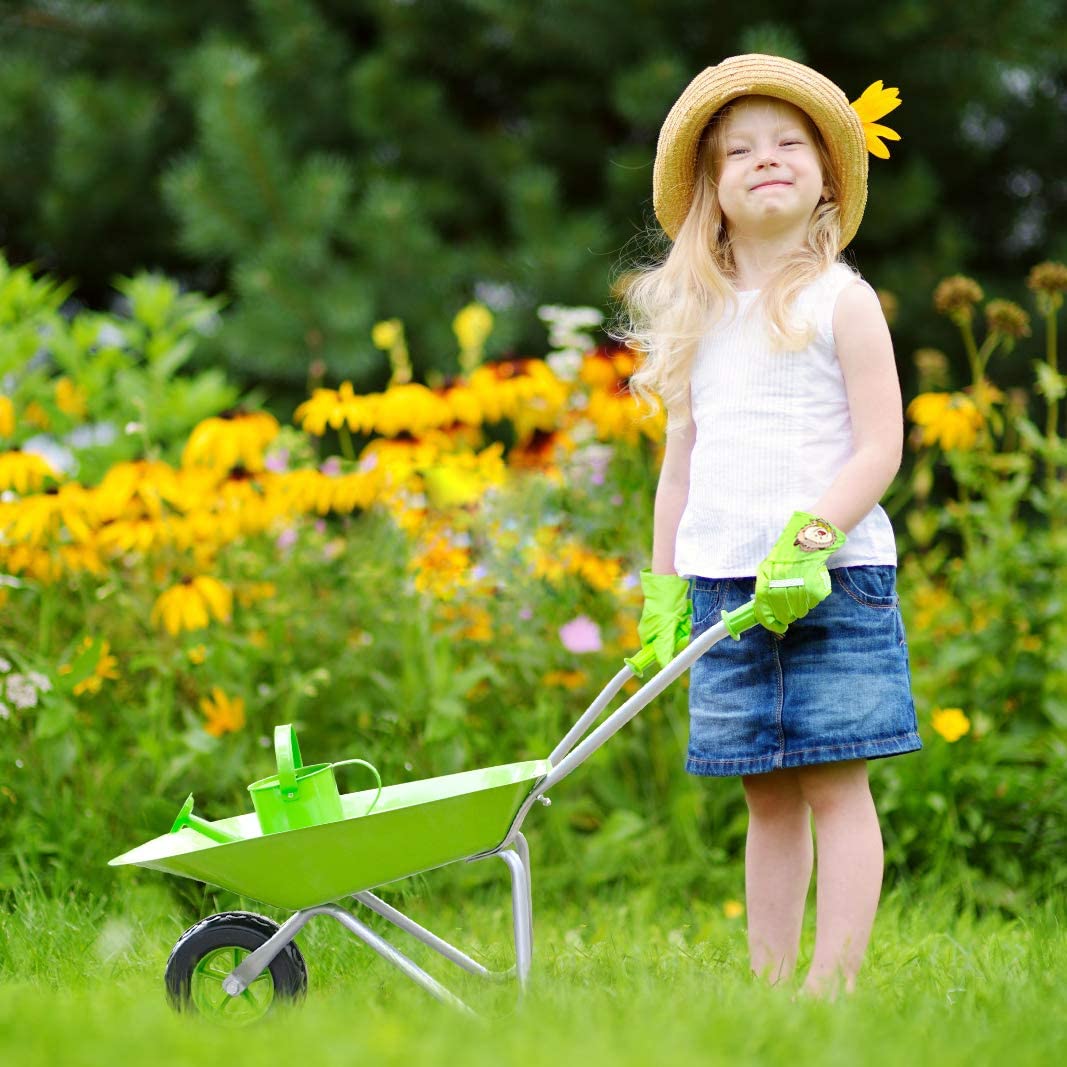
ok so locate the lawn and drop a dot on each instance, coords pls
(619, 977)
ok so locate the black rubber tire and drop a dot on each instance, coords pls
(232, 929)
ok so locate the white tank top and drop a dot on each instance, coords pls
(772, 432)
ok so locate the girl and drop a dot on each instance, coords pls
(775, 364)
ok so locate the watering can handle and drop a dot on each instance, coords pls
(287, 752)
(373, 770)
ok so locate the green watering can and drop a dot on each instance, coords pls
(299, 796)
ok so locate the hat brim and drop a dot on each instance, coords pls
(674, 173)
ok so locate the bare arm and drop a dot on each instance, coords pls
(865, 352)
(671, 496)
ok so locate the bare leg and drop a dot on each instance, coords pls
(778, 861)
(849, 879)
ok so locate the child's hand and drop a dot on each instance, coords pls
(793, 578)
(667, 617)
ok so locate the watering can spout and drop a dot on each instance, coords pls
(201, 826)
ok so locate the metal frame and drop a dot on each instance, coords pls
(513, 850)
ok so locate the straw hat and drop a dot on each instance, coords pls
(849, 130)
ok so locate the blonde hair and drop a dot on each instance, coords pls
(667, 307)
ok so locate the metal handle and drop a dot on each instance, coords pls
(569, 755)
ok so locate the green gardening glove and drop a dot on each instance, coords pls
(667, 617)
(794, 578)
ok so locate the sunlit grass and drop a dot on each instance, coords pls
(618, 977)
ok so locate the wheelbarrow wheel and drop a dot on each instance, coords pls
(207, 952)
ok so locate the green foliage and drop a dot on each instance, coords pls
(131, 401)
(332, 163)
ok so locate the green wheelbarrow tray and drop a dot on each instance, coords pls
(414, 827)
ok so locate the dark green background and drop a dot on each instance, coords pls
(329, 163)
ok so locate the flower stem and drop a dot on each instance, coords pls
(1052, 417)
(346, 442)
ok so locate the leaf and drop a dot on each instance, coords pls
(55, 718)
(1050, 383)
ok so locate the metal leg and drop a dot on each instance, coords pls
(256, 962)
(242, 976)
(521, 911)
(438, 944)
(523, 849)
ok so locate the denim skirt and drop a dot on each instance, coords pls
(835, 686)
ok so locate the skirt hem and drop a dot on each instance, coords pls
(886, 746)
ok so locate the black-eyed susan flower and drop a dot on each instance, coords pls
(949, 419)
(950, 723)
(64, 512)
(224, 715)
(232, 439)
(410, 408)
(25, 472)
(191, 604)
(336, 408)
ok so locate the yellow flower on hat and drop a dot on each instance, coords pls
(874, 103)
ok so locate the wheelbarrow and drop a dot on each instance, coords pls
(235, 966)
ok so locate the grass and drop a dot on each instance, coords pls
(618, 978)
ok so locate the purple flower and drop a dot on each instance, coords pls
(581, 635)
(525, 614)
(277, 461)
(286, 539)
(369, 462)
(320, 526)
(331, 466)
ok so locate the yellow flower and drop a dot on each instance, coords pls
(950, 419)
(950, 723)
(36, 415)
(875, 103)
(190, 604)
(224, 715)
(70, 398)
(386, 334)
(230, 440)
(24, 472)
(472, 327)
(733, 909)
(105, 668)
(389, 336)
(197, 654)
(334, 408)
(565, 679)
(7, 417)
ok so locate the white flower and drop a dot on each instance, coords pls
(5, 711)
(43, 683)
(566, 364)
(21, 691)
(5, 665)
